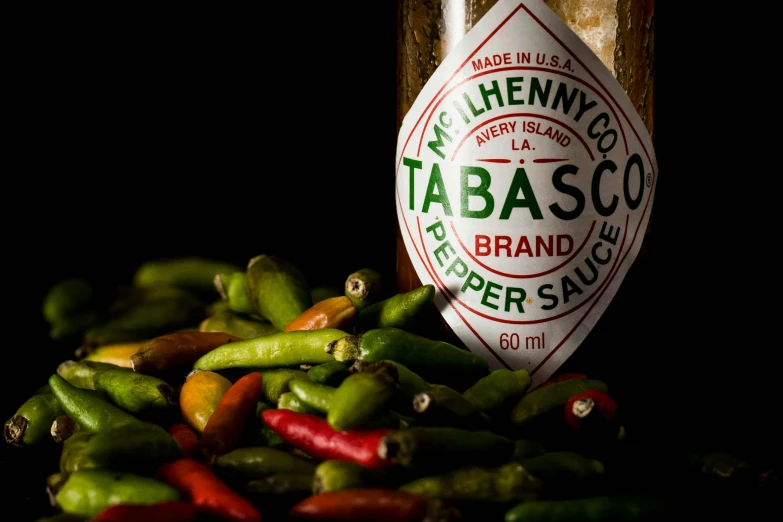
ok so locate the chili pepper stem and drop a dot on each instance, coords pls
(169, 394)
(345, 348)
(14, 429)
(421, 401)
(582, 407)
(356, 287)
(389, 449)
(62, 428)
(220, 286)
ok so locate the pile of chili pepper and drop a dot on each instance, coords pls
(277, 401)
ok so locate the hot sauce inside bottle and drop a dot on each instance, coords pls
(525, 170)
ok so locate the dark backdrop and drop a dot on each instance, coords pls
(229, 134)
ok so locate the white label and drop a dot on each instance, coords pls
(525, 180)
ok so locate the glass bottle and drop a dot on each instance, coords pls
(618, 32)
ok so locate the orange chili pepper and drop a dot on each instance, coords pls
(173, 511)
(333, 312)
(378, 505)
(234, 413)
(206, 491)
(176, 350)
(200, 396)
(186, 437)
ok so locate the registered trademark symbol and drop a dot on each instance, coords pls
(649, 179)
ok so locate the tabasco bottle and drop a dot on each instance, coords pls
(525, 170)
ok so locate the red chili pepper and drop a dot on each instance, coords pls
(314, 436)
(206, 491)
(174, 511)
(378, 505)
(187, 438)
(234, 413)
(592, 411)
(561, 378)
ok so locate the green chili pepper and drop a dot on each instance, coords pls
(152, 314)
(264, 435)
(277, 289)
(507, 483)
(73, 326)
(563, 467)
(498, 388)
(74, 456)
(218, 306)
(138, 447)
(435, 361)
(593, 509)
(276, 382)
(279, 491)
(399, 311)
(330, 373)
(90, 412)
(231, 288)
(410, 383)
(318, 396)
(366, 287)
(289, 401)
(337, 475)
(82, 373)
(193, 273)
(238, 325)
(88, 492)
(361, 397)
(31, 424)
(63, 517)
(54, 482)
(435, 448)
(135, 392)
(525, 449)
(277, 350)
(321, 292)
(540, 401)
(443, 406)
(257, 462)
(66, 299)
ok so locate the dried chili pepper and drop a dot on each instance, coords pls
(379, 505)
(314, 436)
(177, 350)
(170, 511)
(186, 437)
(206, 491)
(234, 413)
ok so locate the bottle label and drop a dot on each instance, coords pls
(524, 184)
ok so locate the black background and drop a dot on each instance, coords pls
(226, 134)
